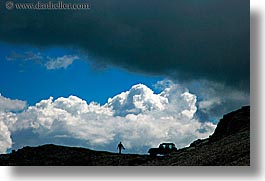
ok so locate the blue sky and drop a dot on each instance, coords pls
(32, 82)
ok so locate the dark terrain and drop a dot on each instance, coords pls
(229, 145)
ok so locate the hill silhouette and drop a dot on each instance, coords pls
(229, 145)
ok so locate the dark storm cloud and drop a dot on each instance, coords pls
(181, 39)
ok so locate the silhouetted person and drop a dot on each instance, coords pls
(120, 147)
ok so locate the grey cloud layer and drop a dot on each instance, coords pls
(183, 39)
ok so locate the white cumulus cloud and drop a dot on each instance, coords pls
(7, 104)
(137, 100)
(5, 139)
(137, 117)
(8, 118)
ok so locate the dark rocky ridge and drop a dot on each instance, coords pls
(231, 123)
(229, 145)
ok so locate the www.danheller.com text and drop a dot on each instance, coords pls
(47, 5)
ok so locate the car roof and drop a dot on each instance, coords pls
(167, 144)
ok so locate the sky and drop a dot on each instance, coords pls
(138, 72)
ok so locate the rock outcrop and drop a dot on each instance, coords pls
(232, 123)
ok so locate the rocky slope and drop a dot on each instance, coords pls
(229, 145)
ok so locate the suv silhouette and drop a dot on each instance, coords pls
(163, 149)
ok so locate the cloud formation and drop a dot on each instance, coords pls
(183, 40)
(8, 108)
(5, 140)
(9, 105)
(60, 62)
(26, 56)
(39, 58)
(138, 117)
(216, 99)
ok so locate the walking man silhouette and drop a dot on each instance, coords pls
(120, 147)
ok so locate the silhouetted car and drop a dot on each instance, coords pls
(163, 149)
